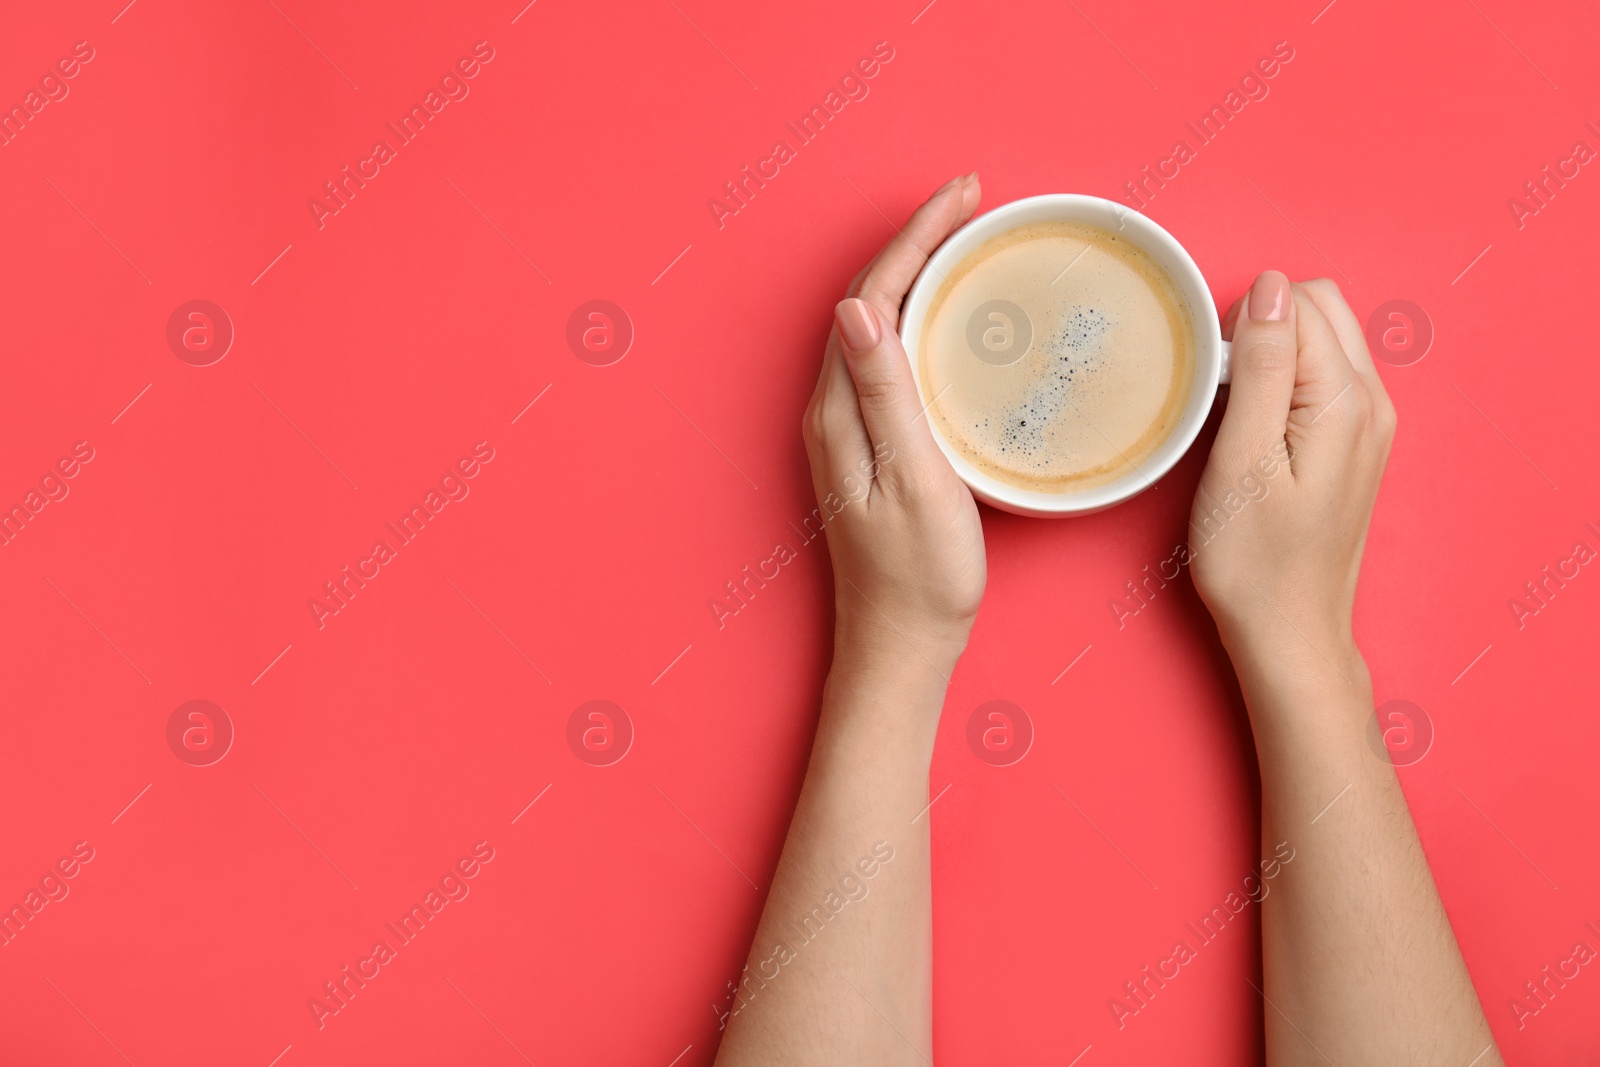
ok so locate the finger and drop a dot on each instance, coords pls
(1323, 374)
(1265, 352)
(971, 194)
(836, 439)
(1331, 302)
(886, 393)
(889, 277)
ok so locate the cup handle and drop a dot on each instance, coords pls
(1227, 363)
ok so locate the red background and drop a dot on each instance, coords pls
(432, 309)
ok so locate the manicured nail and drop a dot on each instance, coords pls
(857, 326)
(970, 178)
(1269, 297)
(946, 187)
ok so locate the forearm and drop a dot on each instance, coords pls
(841, 967)
(1359, 961)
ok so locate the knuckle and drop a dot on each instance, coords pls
(1386, 418)
(1365, 408)
(876, 389)
(811, 424)
(1329, 291)
(1267, 355)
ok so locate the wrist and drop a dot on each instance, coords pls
(874, 645)
(1281, 671)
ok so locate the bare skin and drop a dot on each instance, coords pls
(1359, 961)
(1361, 965)
(909, 572)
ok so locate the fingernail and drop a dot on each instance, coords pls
(970, 178)
(857, 326)
(946, 187)
(1269, 297)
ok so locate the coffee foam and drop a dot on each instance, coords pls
(1108, 365)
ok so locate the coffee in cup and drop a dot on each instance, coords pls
(1056, 356)
(1067, 352)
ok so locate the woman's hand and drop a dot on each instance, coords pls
(1281, 514)
(903, 531)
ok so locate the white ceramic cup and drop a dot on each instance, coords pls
(1210, 350)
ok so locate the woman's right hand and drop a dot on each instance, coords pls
(904, 534)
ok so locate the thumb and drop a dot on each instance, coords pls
(891, 407)
(1265, 351)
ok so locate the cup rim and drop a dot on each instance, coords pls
(1202, 316)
